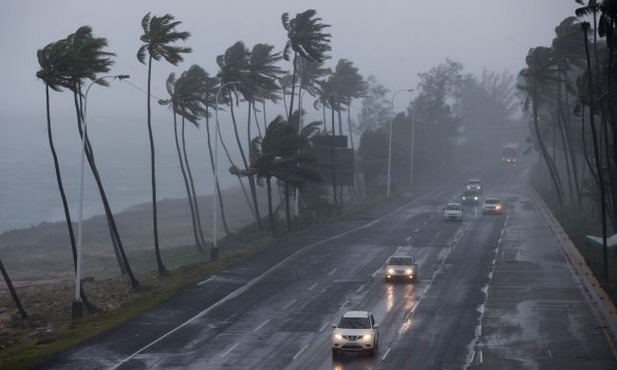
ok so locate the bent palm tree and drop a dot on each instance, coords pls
(9, 284)
(305, 37)
(159, 34)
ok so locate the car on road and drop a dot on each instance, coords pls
(492, 205)
(471, 197)
(453, 211)
(401, 267)
(474, 184)
(356, 331)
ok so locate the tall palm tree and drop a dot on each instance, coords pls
(89, 59)
(53, 60)
(235, 75)
(539, 84)
(185, 100)
(159, 35)
(306, 38)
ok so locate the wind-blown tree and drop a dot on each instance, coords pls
(538, 83)
(159, 36)
(375, 109)
(186, 97)
(86, 59)
(54, 59)
(307, 39)
(234, 76)
(276, 156)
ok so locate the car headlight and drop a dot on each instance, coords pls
(390, 271)
(498, 206)
(475, 198)
(409, 271)
(338, 336)
(367, 337)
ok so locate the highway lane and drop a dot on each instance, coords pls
(278, 315)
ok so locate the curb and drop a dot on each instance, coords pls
(604, 307)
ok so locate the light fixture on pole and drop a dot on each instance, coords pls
(390, 139)
(77, 307)
(214, 254)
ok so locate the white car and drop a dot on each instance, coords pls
(356, 331)
(401, 267)
(474, 184)
(453, 211)
(492, 205)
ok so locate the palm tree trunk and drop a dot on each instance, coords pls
(159, 261)
(192, 186)
(293, 85)
(287, 210)
(189, 197)
(99, 183)
(334, 167)
(220, 197)
(9, 284)
(246, 165)
(270, 211)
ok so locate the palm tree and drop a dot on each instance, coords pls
(275, 156)
(159, 35)
(539, 83)
(305, 37)
(9, 284)
(87, 60)
(235, 75)
(185, 100)
(53, 60)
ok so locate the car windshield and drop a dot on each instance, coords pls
(453, 207)
(492, 201)
(354, 323)
(400, 261)
(474, 182)
(470, 193)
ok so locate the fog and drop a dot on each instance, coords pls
(391, 40)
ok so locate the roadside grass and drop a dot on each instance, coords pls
(153, 291)
(578, 224)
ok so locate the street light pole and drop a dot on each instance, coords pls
(413, 139)
(390, 139)
(214, 254)
(77, 307)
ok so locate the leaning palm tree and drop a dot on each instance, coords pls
(87, 60)
(305, 37)
(159, 35)
(235, 77)
(53, 60)
(538, 82)
(9, 284)
(185, 99)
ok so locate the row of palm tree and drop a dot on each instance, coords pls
(251, 76)
(570, 88)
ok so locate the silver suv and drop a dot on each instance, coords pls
(356, 331)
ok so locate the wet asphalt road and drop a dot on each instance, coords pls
(494, 292)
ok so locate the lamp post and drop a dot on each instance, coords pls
(413, 139)
(390, 139)
(214, 254)
(77, 306)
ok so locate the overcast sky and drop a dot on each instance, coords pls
(393, 40)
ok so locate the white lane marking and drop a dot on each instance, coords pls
(204, 281)
(331, 272)
(550, 354)
(480, 357)
(289, 304)
(259, 278)
(360, 288)
(344, 304)
(229, 350)
(385, 354)
(262, 325)
(300, 352)
(324, 327)
(312, 287)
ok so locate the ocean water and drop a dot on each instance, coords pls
(29, 193)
